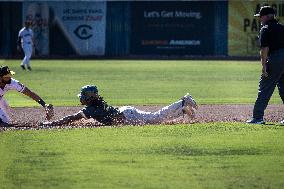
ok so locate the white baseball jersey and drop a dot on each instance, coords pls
(26, 35)
(4, 107)
(14, 85)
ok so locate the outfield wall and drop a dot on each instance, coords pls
(135, 28)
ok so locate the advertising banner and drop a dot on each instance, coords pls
(184, 28)
(83, 24)
(38, 13)
(244, 28)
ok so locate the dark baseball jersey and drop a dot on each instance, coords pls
(272, 36)
(101, 111)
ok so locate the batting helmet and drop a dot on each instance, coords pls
(88, 92)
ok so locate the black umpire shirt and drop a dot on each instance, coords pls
(272, 36)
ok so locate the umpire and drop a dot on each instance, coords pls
(271, 38)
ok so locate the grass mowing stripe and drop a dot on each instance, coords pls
(215, 155)
(140, 82)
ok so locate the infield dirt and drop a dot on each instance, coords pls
(31, 117)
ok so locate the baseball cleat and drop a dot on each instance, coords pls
(29, 68)
(189, 105)
(23, 67)
(255, 121)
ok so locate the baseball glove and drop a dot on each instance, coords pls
(49, 111)
(19, 49)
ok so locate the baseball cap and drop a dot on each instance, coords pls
(4, 70)
(265, 10)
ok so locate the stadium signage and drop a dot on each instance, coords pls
(83, 32)
(82, 24)
(244, 27)
(172, 14)
(185, 42)
(171, 28)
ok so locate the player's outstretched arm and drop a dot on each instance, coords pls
(31, 94)
(49, 111)
(65, 120)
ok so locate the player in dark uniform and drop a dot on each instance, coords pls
(271, 40)
(98, 109)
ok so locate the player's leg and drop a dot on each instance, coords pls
(280, 86)
(266, 88)
(26, 50)
(28, 55)
(168, 113)
(132, 117)
(186, 105)
(265, 91)
(3, 116)
(165, 114)
(4, 109)
(25, 57)
(138, 117)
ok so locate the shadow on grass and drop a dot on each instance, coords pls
(187, 151)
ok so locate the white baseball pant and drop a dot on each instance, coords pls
(135, 116)
(4, 110)
(28, 49)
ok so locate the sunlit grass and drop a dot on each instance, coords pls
(140, 82)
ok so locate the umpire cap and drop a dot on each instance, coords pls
(265, 10)
(4, 70)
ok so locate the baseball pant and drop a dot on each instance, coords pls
(4, 110)
(137, 117)
(275, 69)
(28, 49)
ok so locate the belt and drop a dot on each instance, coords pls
(27, 43)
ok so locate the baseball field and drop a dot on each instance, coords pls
(215, 150)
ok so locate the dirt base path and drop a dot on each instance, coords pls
(31, 117)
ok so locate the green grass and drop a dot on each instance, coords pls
(215, 155)
(140, 82)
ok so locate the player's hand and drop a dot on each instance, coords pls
(19, 48)
(49, 111)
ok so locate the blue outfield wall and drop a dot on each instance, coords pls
(10, 24)
(221, 28)
(118, 28)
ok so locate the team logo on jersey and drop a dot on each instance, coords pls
(83, 32)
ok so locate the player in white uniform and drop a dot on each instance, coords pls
(99, 110)
(8, 83)
(25, 41)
